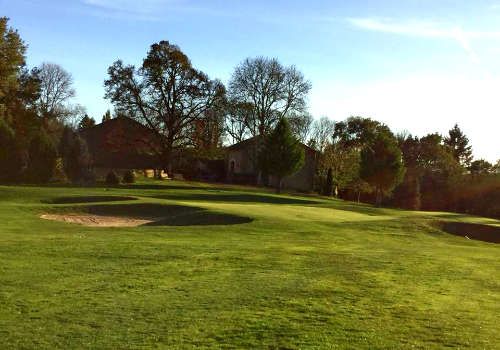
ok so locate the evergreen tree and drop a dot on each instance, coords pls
(75, 156)
(381, 164)
(282, 154)
(12, 59)
(107, 116)
(328, 190)
(42, 158)
(459, 146)
(86, 122)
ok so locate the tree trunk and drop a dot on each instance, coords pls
(278, 187)
(378, 197)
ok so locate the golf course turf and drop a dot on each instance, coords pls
(234, 267)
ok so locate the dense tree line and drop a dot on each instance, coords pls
(366, 161)
(35, 114)
(357, 159)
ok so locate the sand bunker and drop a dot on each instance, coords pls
(96, 220)
(141, 214)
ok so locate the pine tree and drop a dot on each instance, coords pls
(282, 154)
(107, 116)
(459, 146)
(381, 164)
(86, 122)
(42, 158)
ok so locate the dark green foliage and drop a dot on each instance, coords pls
(407, 194)
(12, 59)
(282, 154)
(107, 116)
(459, 146)
(7, 152)
(76, 158)
(112, 179)
(42, 158)
(129, 177)
(357, 132)
(481, 167)
(381, 164)
(86, 122)
(328, 190)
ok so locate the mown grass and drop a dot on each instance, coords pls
(306, 273)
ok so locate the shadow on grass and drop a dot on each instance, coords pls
(160, 186)
(235, 198)
(87, 199)
(478, 232)
(360, 208)
(159, 214)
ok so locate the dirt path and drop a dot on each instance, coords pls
(96, 220)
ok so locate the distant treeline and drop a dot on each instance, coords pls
(358, 159)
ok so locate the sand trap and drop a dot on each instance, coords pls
(96, 220)
(141, 214)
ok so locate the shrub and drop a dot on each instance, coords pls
(76, 157)
(42, 158)
(129, 177)
(112, 179)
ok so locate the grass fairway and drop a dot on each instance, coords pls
(235, 268)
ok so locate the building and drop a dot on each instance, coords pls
(121, 144)
(241, 167)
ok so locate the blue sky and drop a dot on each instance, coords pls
(417, 65)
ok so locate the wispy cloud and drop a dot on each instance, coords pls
(150, 10)
(131, 6)
(426, 29)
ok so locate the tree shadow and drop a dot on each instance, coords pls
(159, 214)
(87, 199)
(360, 208)
(235, 198)
(478, 232)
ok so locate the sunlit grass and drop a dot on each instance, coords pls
(306, 272)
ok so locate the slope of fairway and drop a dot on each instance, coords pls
(291, 272)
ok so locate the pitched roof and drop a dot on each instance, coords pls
(252, 140)
(121, 143)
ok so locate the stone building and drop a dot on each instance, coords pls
(241, 167)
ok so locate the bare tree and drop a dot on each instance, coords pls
(56, 89)
(166, 94)
(322, 133)
(300, 125)
(237, 115)
(271, 89)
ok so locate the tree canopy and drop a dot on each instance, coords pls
(166, 94)
(381, 164)
(459, 146)
(271, 90)
(282, 154)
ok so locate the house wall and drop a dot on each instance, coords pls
(246, 172)
(302, 180)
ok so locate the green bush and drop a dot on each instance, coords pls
(76, 158)
(112, 179)
(42, 158)
(129, 177)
